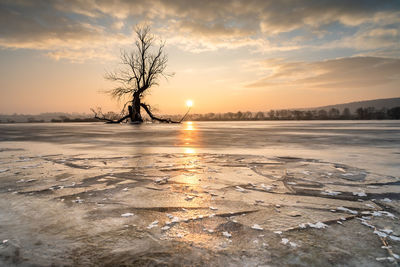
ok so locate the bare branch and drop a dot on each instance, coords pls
(147, 109)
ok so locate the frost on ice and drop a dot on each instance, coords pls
(257, 227)
(152, 225)
(347, 210)
(226, 234)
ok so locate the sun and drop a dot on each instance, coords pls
(189, 103)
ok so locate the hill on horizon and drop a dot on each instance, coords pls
(353, 106)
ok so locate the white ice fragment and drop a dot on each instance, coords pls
(210, 231)
(161, 180)
(302, 225)
(394, 238)
(278, 232)
(367, 224)
(5, 241)
(347, 210)
(165, 228)
(226, 234)
(20, 181)
(170, 216)
(285, 241)
(213, 208)
(330, 193)
(291, 183)
(153, 224)
(317, 225)
(391, 259)
(340, 169)
(387, 199)
(30, 180)
(30, 166)
(189, 198)
(386, 213)
(179, 235)
(255, 241)
(360, 194)
(77, 200)
(127, 214)
(293, 244)
(175, 219)
(386, 231)
(257, 227)
(211, 215)
(339, 222)
(240, 189)
(380, 234)
(306, 172)
(370, 206)
(266, 187)
(125, 189)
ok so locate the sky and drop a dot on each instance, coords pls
(252, 55)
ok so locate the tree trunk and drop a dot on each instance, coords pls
(134, 111)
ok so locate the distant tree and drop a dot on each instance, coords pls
(238, 115)
(333, 113)
(322, 114)
(141, 69)
(308, 115)
(259, 115)
(298, 114)
(346, 114)
(394, 113)
(247, 115)
(272, 114)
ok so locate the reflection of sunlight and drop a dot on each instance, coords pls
(189, 150)
(189, 126)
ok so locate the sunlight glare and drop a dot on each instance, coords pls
(189, 103)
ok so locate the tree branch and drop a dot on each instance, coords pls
(147, 109)
(103, 117)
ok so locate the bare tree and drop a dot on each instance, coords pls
(141, 69)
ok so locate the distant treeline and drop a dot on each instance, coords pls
(368, 113)
(32, 119)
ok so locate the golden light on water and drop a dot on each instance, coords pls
(189, 150)
(189, 103)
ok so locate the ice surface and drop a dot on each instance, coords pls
(128, 214)
(182, 200)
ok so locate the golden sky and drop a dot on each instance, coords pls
(226, 55)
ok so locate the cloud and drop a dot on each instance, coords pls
(337, 74)
(77, 25)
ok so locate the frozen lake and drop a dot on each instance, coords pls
(365, 144)
(319, 193)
